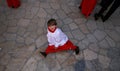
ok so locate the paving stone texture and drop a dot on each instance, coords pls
(23, 36)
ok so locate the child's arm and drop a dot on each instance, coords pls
(52, 41)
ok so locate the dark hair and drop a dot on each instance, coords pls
(51, 22)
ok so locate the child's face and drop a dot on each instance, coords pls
(52, 28)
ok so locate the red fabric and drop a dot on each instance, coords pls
(9, 3)
(67, 46)
(87, 6)
(13, 3)
(53, 30)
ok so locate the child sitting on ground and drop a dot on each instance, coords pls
(58, 41)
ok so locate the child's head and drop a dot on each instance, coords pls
(52, 24)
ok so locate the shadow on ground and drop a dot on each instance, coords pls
(80, 65)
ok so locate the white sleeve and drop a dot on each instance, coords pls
(57, 39)
(50, 40)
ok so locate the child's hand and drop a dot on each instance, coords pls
(56, 46)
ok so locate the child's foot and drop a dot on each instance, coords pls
(103, 19)
(96, 16)
(79, 7)
(44, 54)
(77, 50)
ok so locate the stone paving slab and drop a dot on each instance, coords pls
(23, 35)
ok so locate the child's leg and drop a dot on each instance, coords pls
(50, 49)
(68, 46)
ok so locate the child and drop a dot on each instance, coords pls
(58, 41)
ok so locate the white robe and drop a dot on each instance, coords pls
(57, 38)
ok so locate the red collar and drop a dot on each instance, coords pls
(51, 30)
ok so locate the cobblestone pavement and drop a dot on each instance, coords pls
(23, 35)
